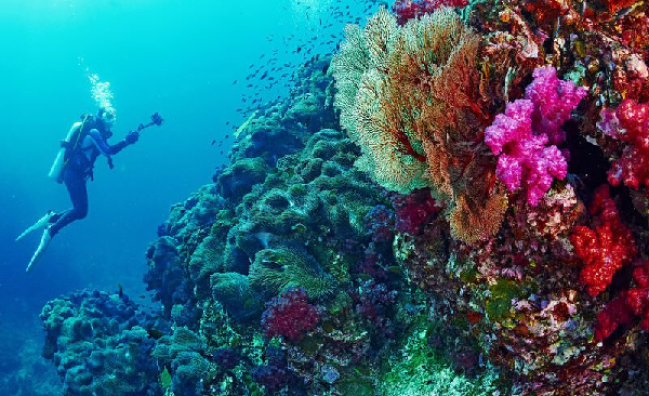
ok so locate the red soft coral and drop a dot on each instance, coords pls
(606, 248)
(630, 304)
(629, 123)
(414, 211)
(615, 314)
(409, 9)
(290, 316)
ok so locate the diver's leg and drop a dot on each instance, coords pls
(75, 181)
(49, 218)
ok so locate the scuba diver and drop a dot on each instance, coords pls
(86, 140)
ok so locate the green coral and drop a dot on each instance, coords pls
(233, 291)
(207, 258)
(500, 298)
(275, 270)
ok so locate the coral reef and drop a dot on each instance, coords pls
(98, 344)
(507, 248)
(409, 9)
(481, 228)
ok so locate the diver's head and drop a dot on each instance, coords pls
(106, 116)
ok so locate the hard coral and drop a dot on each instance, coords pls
(520, 135)
(606, 248)
(290, 316)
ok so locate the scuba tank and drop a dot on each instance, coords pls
(56, 171)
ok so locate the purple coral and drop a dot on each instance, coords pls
(521, 135)
(275, 374)
(373, 301)
(380, 223)
(227, 358)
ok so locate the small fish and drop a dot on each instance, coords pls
(155, 334)
(365, 276)
(213, 141)
(227, 136)
(120, 292)
(395, 269)
(235, 82)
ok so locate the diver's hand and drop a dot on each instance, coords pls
(132, 137)
(110, 163)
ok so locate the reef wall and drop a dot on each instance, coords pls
(455, 204)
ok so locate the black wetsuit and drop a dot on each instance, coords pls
(78, 170)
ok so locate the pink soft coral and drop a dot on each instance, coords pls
(521, 135)
(553, 100)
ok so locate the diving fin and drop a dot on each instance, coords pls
(45, 241)
(40, 223)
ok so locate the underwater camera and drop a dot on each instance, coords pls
(157, 119)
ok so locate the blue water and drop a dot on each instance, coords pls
(180, 58)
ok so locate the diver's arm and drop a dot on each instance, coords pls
(104, 148)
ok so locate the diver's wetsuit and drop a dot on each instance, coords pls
(78, 171)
